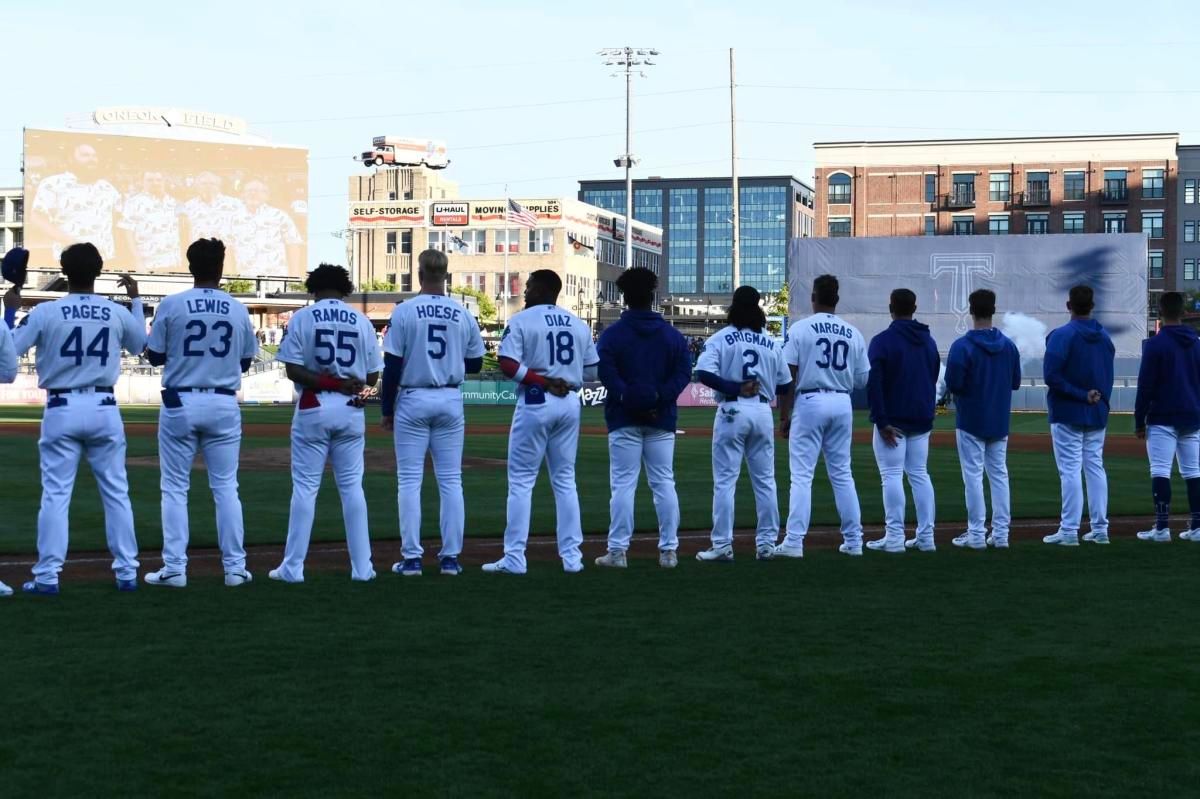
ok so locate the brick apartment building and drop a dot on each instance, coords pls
(1053, 184)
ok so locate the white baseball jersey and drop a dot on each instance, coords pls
(205, 335)
(211, 220)
(433, 334)
(828, 353)
(551, 341)
(154, 222)
(260, 239)
(79, 340)
(332, 337)
(84, 211)
(8, 355)
(741, 355)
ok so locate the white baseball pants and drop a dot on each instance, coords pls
(545, 431)
(1079, 453)
(744, 428)
(822, 424)
(212, 425)
(1167, 444)
(74, 425)
(333, 432)
(430, 420)
(909, 457)
(977, 456)
(628, 449)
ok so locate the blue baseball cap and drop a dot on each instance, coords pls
(14, 264)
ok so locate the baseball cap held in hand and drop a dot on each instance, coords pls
(14, 265)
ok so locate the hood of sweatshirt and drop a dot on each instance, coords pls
(644, 323)
(912, 331)
(991, 341)
(1184, 335)
(1088, 329)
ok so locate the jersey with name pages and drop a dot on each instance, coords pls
(79, 339)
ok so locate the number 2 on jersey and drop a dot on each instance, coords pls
(562, 348)
(835, 354)
(73, 346)
(750, 360)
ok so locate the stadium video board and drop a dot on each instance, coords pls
(142, 200)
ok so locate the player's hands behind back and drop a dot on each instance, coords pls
(891, 435)
(1094, 396)
(557, 386)
(750, 389)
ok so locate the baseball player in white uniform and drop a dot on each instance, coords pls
(79, 339)
(331, 355)
(432, 343)
(828, 358)
(8, 373)
(746, 368)
(204, 340)
(549, 352)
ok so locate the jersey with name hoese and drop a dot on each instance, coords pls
(434, 335)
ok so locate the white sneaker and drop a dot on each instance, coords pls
(166, 577)
(1190, 535)
(668, 559)
(499, 567)
(1157, 536)
(1061, 539)
(851, 549)
(765, 552)
(5, 590)
(965, 541)
(923, 544)
(613, 560)
(717, 554)
(995, 543)
(786, 550)
(881, 545)
(1096, 538)
(573, 568)
(234, 579)
(277, 574)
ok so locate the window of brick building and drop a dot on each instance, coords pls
(839, 188)
(1036, 223)
(1152, 224)
(931, 226)
(997, 225)
(1115, 184)
(1037, 188)
(1189, 231)
(1155, 263)
(1152, 184)
(1073, 223)
(1114, 223)
(1190, 192)
(964, 189)
(1189, 269)
(999, 186)
(1074, 183)
(930, 187)
(964, 225)
(839, 227)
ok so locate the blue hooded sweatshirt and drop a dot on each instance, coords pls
(1168, 391)
(1079, 358)
(982, 371)
(644, 364)
(902, 388)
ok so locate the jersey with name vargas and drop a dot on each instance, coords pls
(828, 354)
(331, 337)
(742, 355)
(433, 334)
(79, 339)
(205, 334)
(551, 341)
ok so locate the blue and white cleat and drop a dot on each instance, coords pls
(127, 585)
(5, 590)
(409, 567)
(44, 589)
(450, 567)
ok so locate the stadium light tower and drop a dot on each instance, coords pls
(630, 60)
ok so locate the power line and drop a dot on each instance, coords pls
(972, 90)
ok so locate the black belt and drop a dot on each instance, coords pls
(224, 392)
(58, 392)
(732, 398)
(823, 391)
(452, 385)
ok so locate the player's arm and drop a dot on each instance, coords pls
(512, 355)
(708, 368)
(8, 357)
(862, 364)
(323, 381)
(1016, 365)
(134, 340)
(877, 355)
(681, 374)
(1146, 384)
(609, 373)
(1058, 350)
(957, 368)
(393, 367)
(249, 341)
(591, 359)
(156, 343)
(786, 402)
(473, 351)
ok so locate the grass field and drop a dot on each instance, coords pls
(1037, 671)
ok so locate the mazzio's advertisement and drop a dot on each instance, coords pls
(143, 200)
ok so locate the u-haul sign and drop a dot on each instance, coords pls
(448, 214)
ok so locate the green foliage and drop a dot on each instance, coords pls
(296, 287)
(239, 286)
(778, 303)
(377, 285)
(487, 308)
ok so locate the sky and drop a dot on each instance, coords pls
(519, 95)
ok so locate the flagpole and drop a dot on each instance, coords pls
(504, 293)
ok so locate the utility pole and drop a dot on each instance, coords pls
(630, 59)
(737, 221)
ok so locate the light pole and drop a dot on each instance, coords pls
(630, 59)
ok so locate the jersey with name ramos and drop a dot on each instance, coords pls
(828, 354)
(330, 337)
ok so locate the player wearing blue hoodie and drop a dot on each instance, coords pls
(902, 391)
(1078, 369)
(1167, 414)
(644, 364)
(982, 370)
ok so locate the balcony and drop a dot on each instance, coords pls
(960, 198)
(1114, 195)
(1033, 197)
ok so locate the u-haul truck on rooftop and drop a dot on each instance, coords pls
(396, 151)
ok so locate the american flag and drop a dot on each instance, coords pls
(459, 245)
(519, 215)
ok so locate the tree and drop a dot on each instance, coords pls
(777, 304)
(296, 288)
(239, 286)
(487, 308)
(377, 285)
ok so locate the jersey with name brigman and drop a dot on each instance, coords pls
(205, 334)
(331, 337)
(79, 339)
(433, 334)
(828, 354)
(551, 341)
(741, 355)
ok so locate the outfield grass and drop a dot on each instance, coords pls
(265, 494)
(1039, 671)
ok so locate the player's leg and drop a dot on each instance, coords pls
(836, 449)
(1097, 484)
(1187, 452)
(526, 450)
(221, 444)
(760, 461)
(176, 452)
(105, 448)
(891, 461)
(804, 447)
(346, 446)
(1068, 457)
(446, 444)
(412, 442)
(624, 466)
(730, 429)
(310, 448)
(561, 451)
(1161, 444)
(970, 460)
(996, 464)
(59, 450)
(916, 466)
(658, 456)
